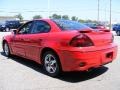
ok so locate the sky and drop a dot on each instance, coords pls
(83, 9)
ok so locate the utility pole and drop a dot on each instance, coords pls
(48, 8)
(98, 18)
(110, 16)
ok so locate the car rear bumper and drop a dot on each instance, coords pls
(85, 60)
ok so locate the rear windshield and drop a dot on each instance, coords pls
(70, 25)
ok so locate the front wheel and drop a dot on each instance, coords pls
(6, 49)
(51, 63)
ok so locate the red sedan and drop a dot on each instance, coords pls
(61, 45)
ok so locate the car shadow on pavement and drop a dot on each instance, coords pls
(75, 77)
(72, 77)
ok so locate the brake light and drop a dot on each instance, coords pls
(105, 30)
(81, 41)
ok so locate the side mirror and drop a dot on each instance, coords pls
(14, 31)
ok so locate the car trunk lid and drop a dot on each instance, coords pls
(99, 37)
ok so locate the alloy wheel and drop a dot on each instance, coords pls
(6, 49)
(50, 63)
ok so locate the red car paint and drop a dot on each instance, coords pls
(72, 58)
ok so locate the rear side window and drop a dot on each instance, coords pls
(40, 27)
(70, 25)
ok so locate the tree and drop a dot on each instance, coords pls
(95, 21)
(89, 21)
(20, 17)
(65, 17)
(55, 16)
(81, 21)
(37, 17)
(74, 18)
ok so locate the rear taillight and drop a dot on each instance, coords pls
(81, 41)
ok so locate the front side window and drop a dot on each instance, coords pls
(40, 27)
(26, 29)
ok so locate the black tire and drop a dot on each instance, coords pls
(52, 69)
(118, 33)
(6, 49)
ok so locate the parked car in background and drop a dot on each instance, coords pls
(61, 45)
(95, 26)
(14, 24)
(91, 25)
(100, 26)
(2, 26)
(7, 25)
(116, 28)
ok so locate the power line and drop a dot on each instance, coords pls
(112, 11)
(98, 18)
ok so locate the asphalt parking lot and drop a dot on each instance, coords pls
(20, 74)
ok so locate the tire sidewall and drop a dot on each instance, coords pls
(8, 49)
(57, 62)
(118, 33)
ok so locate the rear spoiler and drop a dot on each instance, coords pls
(105, 30)
(102, 30)
(94, 30)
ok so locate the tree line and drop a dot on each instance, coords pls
(56, 16)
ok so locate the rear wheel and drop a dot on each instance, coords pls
(6, 49)
(51, 63)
